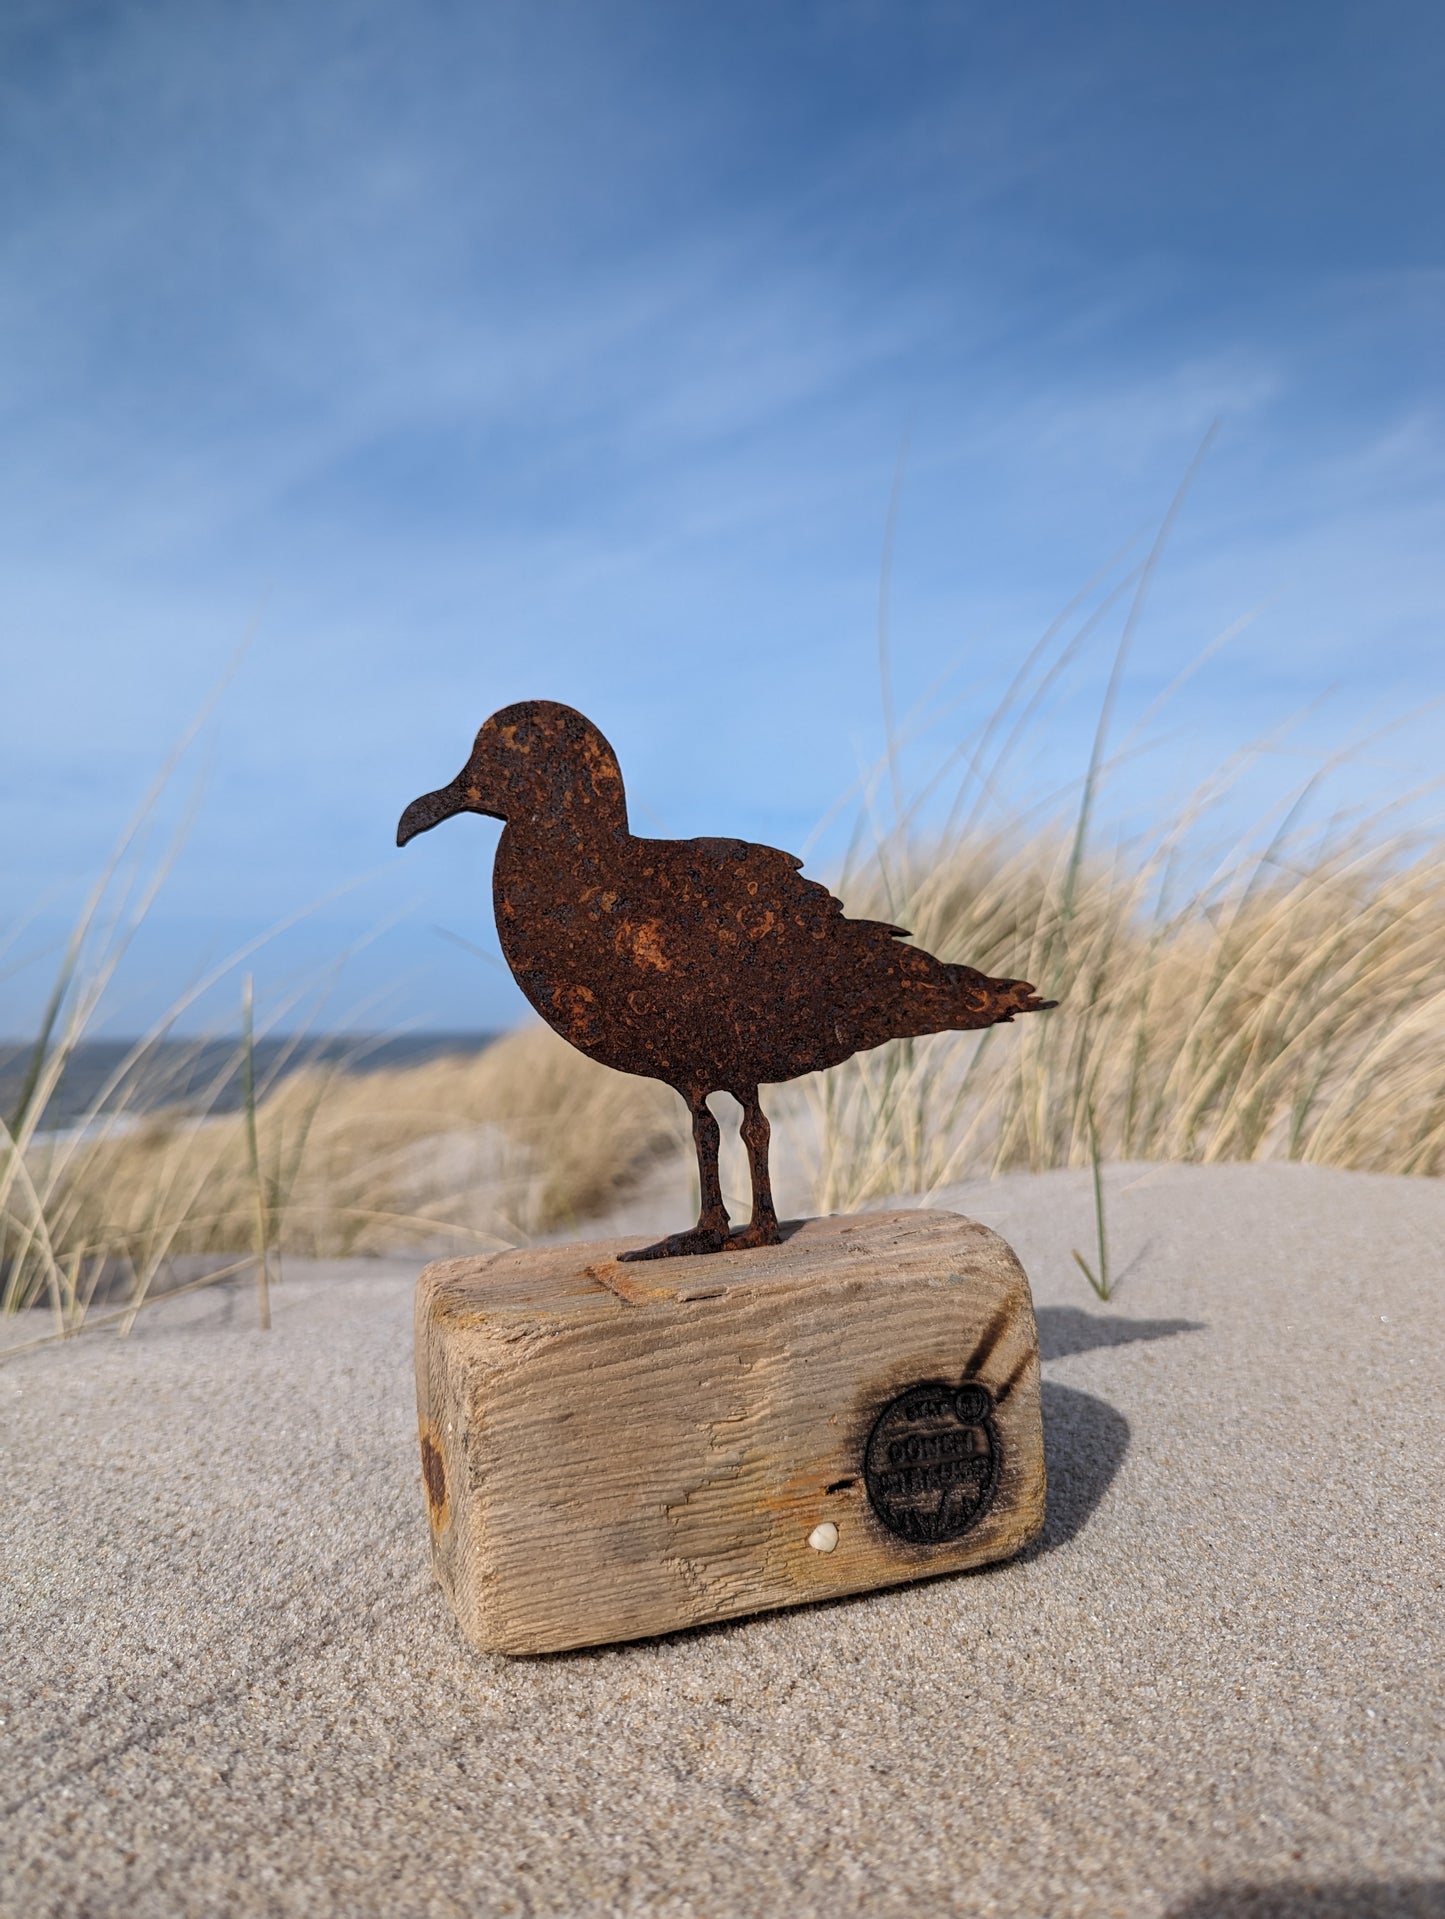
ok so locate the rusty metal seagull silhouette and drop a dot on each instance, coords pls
(709, 964)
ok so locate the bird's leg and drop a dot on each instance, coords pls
(713, 1215)
(762, 1228)
(710, 1234)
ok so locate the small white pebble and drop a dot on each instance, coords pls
(823, 1538)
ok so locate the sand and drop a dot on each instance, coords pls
(1216, 1687)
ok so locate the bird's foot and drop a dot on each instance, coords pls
(697, 1239)
(760, 1232)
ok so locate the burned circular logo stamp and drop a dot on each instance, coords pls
(931, 1465)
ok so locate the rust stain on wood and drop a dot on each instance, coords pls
(434, 1475)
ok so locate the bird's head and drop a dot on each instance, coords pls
(536, 764)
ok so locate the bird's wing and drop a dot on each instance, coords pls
(767, 872)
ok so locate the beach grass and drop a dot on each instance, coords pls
(1290, 1005)
(464, 1153)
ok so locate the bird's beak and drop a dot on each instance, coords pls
(429, 811)
(464, 795)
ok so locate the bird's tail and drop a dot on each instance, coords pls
(992, 1002)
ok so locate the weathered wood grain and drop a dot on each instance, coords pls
(611, 1451)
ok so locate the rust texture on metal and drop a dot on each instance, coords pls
(710, 964)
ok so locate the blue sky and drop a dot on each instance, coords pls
(452, 354)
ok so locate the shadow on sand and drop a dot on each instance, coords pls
(1085, 1438)
(1320, 1899)
(1066, 1330)
(1085, 1441)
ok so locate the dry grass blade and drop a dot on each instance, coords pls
(1100, 1281)
(253, 1155)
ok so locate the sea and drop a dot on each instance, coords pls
(206, 1073)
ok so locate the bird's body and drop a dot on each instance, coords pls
(711, 964)
(714, 963)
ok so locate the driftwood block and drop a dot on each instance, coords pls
(614, 1450)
